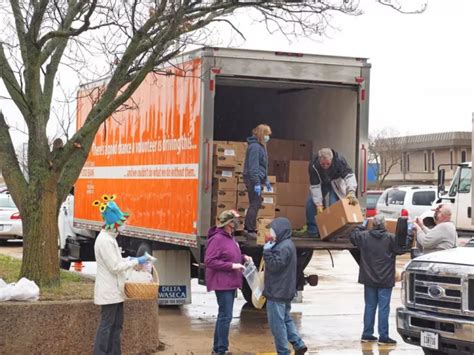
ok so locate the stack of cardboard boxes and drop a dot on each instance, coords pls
(289, 161)
(229, 190)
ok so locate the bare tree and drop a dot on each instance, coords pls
(123, 40)
(385, 152)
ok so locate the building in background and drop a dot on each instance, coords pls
(415, 159)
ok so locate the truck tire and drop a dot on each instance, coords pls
(144, 247)
(63, 264)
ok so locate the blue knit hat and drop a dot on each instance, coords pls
(111, 212)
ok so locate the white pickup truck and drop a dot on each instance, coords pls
(438, 299)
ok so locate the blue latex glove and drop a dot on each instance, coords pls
(269, 186)
(268, 245)
(258, 190)
(142, 259)
(366, 221)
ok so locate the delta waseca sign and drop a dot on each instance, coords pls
(172, 294)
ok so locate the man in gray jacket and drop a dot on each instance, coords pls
(441, 237)
(280, 286)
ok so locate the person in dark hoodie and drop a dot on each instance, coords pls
(280, 286)
(224, 266)
(378, 251)
(255, 174)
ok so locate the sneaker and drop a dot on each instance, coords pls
(368, 339)
(301, 351)
(386, 341)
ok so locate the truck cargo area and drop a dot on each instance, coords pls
(325, 114)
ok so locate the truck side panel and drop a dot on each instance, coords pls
(148, 154)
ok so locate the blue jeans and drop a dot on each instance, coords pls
(225, 300)
(282, 326)
(311, 210)
(376, 296)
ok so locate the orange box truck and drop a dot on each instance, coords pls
(156, 155)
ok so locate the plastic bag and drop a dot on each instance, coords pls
(23, 290)
(139, 276)
(254, 279)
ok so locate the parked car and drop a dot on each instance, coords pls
(10, 219)
(372, 198)
(407, 201)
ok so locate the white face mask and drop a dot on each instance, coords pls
(266, 139)
(273, 234)
(121, 229)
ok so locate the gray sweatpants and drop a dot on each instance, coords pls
(107, 339)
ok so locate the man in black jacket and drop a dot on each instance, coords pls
(378, 251)
(331, 179)
(280, 286)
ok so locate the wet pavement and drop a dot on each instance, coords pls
(329, 319)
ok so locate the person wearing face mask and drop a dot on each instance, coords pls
(224, 266)
(256, 174)
(442, 236)
(280, 286)
(331, 179)
(109, 287)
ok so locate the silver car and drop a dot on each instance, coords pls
(10, 220)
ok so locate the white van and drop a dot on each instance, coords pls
(408, 201)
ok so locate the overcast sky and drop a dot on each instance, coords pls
(422, 65)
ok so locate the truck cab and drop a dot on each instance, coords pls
(438, 299)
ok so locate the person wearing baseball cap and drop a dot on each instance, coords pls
(224, 265)
(109, 290)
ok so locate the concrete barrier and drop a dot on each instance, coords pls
(69, 327)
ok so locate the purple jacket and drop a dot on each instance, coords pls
(222, 251)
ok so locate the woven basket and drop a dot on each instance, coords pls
(143, 290)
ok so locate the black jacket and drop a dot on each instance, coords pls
(256, 162)
(339, 169)
(280, 264)
(378, 250)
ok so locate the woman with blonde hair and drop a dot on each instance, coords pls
(256, 174)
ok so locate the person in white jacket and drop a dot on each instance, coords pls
(110, 279)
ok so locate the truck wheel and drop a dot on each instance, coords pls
(433, 352)
(65, 265)
(142, 248)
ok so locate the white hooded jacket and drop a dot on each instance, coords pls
(111, 269)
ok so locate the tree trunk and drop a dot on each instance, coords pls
(40, 239)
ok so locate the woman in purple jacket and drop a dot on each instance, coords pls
(224, 266)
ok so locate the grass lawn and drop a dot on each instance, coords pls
(73, 286)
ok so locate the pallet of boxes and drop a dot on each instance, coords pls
(228, 188)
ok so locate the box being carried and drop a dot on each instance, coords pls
(338, 220)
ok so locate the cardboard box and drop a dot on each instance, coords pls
(390, 224)
(267, 210)
(298, 171)
(220, 196)
(240, 150)
(296, 215)
(224, 172)
(242, 198)
(280, 149)
(225, 183)
(225, 162)
(339, 219)
(241, 187)
(266, 192)
(224, 149)
(279, 168)
(302, 150)
(262, 230)
(239, 167)
(242, 210)
(221, 207)
(289, 194)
